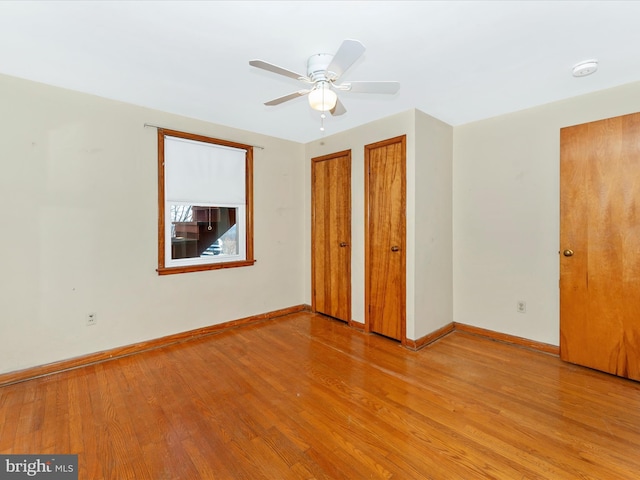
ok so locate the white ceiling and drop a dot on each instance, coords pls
(458, 61)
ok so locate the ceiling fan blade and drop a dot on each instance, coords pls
(347, 54)
(286, 98)
(338, 109)
(371, 87)
(279, 70)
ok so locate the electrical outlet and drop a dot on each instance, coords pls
(521, 306)
(92, 319)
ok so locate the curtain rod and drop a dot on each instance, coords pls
(233, 141)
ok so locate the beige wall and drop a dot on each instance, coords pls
(78, 186)
(506, 212)
(79, 201)
(433, 231)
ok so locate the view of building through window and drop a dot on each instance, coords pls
(201, 231)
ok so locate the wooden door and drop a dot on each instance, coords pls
(600, 245)
(331, 235)
(385, 242)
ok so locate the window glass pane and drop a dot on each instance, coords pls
(203, 231)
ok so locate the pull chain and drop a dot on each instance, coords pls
(322, 115)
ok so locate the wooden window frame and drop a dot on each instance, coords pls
(249, 260)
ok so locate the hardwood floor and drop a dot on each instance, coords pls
(304, 397)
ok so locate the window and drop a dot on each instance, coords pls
(205, 204)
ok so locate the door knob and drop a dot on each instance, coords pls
(568, 253)
(344, 244)
(395, 248)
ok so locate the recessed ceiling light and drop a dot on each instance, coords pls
(585, 68)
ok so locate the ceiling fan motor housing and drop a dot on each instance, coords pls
(317, 68)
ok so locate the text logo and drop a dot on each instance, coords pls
(45, 467)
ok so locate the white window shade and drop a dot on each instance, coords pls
(203, 173)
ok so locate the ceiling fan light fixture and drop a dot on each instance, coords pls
(322, 98)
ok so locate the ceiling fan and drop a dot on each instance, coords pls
(323, 72)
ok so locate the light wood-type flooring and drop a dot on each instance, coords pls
(304, 396)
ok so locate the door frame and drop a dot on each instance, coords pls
(402, 139)
(599, 261)
(314, 161)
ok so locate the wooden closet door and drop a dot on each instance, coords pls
(331, 235)
(600, 245)
(385, 238)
